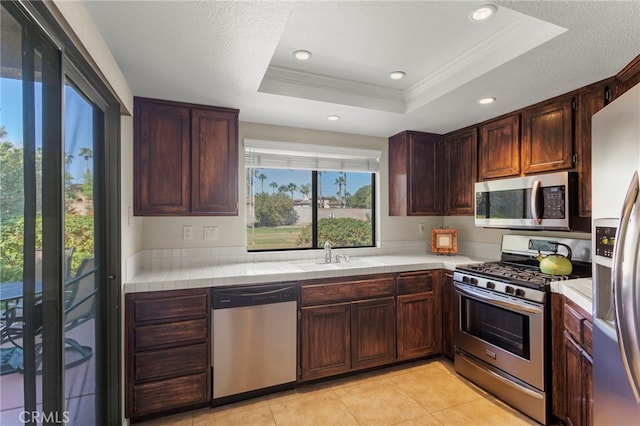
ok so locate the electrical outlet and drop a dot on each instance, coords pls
(187, 232)
(211, 233)
(421, 228)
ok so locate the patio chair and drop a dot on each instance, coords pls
(80, 295)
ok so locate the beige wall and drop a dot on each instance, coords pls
(166, 232)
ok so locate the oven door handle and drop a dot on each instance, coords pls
(515, 306)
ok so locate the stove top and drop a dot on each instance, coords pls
(517, 274)
(521, 274)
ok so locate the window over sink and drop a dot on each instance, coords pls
(298, 196)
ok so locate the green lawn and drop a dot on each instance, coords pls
(272, 238)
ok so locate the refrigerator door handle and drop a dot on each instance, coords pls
(624, 274)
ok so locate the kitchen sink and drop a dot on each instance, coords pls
(321, 265)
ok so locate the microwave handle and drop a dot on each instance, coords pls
(534, 202)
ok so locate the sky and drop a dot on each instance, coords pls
(78, 122)
(301, 177)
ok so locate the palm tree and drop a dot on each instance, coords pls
(273, 186)
(305, 190)
(340, 180)
(87, 154)
(261, 177)
(291, 188)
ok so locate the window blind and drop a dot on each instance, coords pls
(288, 155)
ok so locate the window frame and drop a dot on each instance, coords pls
(315, 245)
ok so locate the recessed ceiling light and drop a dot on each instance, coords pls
(486, 101)
(397, 75)
(302, 55)
(483, 12)
(333, 118)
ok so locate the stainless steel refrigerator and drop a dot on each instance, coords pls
(616, 249)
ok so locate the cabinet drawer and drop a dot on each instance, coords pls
(153, 307)
(149, 336)
(415, 283)
(171, 362)
(315, 294)
(165, 395)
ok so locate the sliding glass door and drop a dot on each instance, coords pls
(58, 317)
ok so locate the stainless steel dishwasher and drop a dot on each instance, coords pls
(254, 340)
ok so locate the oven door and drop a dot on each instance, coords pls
(503, 331)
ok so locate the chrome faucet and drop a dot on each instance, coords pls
(327, 252)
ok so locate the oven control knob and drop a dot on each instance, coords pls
(473, 281)
(491, 285)
(465, 279)
(509, 289)
(520, 292)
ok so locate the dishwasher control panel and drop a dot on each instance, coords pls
(254, 295)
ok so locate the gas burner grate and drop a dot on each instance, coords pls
(516, 273)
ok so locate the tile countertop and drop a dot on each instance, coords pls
(294, 270)
(579, 291)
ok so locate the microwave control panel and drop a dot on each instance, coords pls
(553, 202)
(605, 240)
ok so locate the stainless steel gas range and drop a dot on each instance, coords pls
(502, 333)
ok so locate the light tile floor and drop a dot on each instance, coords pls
(422, 393)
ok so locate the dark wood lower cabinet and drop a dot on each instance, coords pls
(373, 332)
(363, 322)
(572, 365)
(342, 337)
(326, 340)
(416, 331)
(579, 378)
(448, 317)
(167, 352)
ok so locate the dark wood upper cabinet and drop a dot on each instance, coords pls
(185, 159)
(499, 151)
(414, 174)
(161, 158)
(214, 165)
(628, 77)
(460, 152)
(547, 137)
(591, 100)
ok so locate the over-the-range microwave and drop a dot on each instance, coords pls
(530, 202)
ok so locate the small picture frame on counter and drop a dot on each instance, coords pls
(444, 241)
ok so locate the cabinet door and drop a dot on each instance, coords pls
(325, 341)
(424, 179)
(573, 384)
(589, 102)
(547, 137)
(214, 162)
(373, 332)
(414, 174)
(161, 159)
(499, 153)
(460, 172)
(587, 389)
(416, 325)
(448, 318)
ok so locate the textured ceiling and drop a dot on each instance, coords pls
(238, 54)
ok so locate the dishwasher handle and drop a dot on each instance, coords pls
(254, 295)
